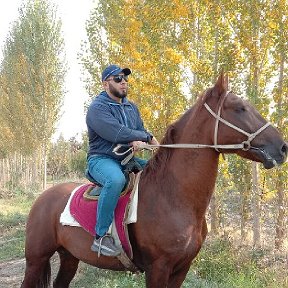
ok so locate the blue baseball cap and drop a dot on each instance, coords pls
(114, 70)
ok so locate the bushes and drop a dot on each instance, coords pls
(67, 158)
(13, 216)
(218, 265)
(225, 266)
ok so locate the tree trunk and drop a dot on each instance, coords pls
(280, 220)
(44, 166)
(214, 215)
(256, 213)
(244, 213)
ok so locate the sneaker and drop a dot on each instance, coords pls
(95, 191)
(105, 246)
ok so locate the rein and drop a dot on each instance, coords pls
(245, 145)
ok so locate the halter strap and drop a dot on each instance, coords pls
(251, 136)
(217, 119)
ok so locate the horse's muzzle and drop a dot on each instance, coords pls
(271, 157)
(280, 158)
(284, 151)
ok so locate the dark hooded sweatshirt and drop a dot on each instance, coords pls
(110, 123)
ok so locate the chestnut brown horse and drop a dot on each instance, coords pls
(174, 192)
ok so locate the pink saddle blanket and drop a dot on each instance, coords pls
(84, 211)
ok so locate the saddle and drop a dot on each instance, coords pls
(131, 169)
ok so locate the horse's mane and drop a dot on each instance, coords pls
(158, 162)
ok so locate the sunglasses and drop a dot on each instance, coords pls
(119, 78)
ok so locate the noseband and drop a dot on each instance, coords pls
(245, 145)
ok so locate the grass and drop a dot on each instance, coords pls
(20, 204)
(106, 279)
(13, 217)
(225, 266)
(218, 265)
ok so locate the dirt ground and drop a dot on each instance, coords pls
(12, 272)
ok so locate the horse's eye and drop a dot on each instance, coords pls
(240, 109)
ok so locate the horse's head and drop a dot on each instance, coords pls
(237, 122)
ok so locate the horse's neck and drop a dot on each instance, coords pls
(184, 177)
(194, 170)
(196, 173)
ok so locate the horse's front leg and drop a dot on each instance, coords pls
(177, 278)
(157, 274)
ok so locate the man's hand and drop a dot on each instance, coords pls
(137, 145)
(154, 141)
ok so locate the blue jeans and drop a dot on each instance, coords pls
(109, 173)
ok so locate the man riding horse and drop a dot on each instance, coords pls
(112, 119)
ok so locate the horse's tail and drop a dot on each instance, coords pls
(44, 281)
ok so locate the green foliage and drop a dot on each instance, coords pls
(226, 267)
(219, 264)
(32, 78)
(107, 279)
(218, 255)
(16, 205)
(13, 219)
(32, 86)
(78, 162)
(144, 46)
(79, 155)
(67, 157)
(176, 49)
(59, 158)
(12, 245)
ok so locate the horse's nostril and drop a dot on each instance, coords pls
(284, 149)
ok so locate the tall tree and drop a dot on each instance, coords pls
(176, 49)
(32, 77)
(249, 24)
(147, 44)
(279, 21)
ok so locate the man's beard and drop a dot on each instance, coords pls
(116, 93)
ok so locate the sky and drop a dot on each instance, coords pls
(73, 15)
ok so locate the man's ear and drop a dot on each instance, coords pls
(221, 85)
(105, 85)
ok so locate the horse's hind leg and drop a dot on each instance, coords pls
(67, 270)
(38, 272)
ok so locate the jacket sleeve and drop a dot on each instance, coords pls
(102, 121)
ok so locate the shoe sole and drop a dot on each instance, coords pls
(103, 252)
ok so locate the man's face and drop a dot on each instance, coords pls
(118, 86)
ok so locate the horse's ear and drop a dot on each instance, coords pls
(221, 85)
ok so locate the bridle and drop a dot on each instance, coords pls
(245, 145)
